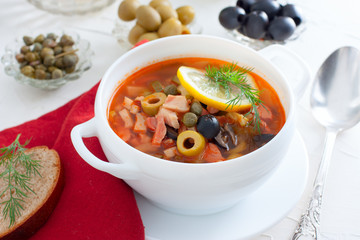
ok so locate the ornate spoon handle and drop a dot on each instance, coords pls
(309, 223)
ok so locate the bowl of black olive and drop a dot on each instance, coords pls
(259, 23)
(47, 60)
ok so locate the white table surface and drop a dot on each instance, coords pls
(330, 24)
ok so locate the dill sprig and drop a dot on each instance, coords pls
(12, 158)
(229, 76)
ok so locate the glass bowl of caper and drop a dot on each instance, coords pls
(47, 60)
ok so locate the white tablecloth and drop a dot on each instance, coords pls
(330, 24)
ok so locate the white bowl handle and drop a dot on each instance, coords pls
(289, 63)
(87, 129)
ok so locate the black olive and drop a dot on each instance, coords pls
(171, 132)
(246, 4)
(270, 7)
(229, 17)
(255, 24)
(208, 126)
(281, 28)
(290, 10)
(262, 139)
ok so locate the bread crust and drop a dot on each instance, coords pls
(42, 212)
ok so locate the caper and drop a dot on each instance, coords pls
(20, 57)
(67, 49)
(35, 63)
(41, 66)
(30, 56)
(57, 73)
(39, 61)
(149, 36)
(37, 47)
(196, 108)
(166, 12)
(156, 3)
(51, 36)
(127, 9)
(51, 69)
(186, 14)
(58, 50)
(24, 49)
(48, 42)
(70, 69)
(39, 38)
(70, 60)
(28, 71)
(40, 74)
(66, 40)
(28, 40)
(49, 60)
(170, 27)
(171, 90)
(148, 18)
(135, 33)
(59, 62)
(46, 51)
(190, 119)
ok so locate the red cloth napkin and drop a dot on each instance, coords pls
(93, 204)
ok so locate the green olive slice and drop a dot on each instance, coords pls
(151, 103)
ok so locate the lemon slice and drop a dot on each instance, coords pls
(207, 92)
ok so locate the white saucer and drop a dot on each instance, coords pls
(250, 217)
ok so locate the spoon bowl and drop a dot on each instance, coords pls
(335, 103)
(335, 97)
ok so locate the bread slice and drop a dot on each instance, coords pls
(39, 206)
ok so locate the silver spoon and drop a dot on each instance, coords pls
(335, 103)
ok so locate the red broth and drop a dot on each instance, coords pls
(128, 120)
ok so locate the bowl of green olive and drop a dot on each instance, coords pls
(47, 60)
(137, 22)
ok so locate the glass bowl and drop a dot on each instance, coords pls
(71, 7)
(258, 44)
(12, 67)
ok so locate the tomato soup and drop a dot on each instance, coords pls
(154, 113)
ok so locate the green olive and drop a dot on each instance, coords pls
(151, 103)
(127, 9)
(135, 33)
(171, 90)
(170, 27)
(186, 14)
(190, 143)
(156, 3)
(166, 12)
(148, 18)
(149, 36)
(190, 119)
(196, 108)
